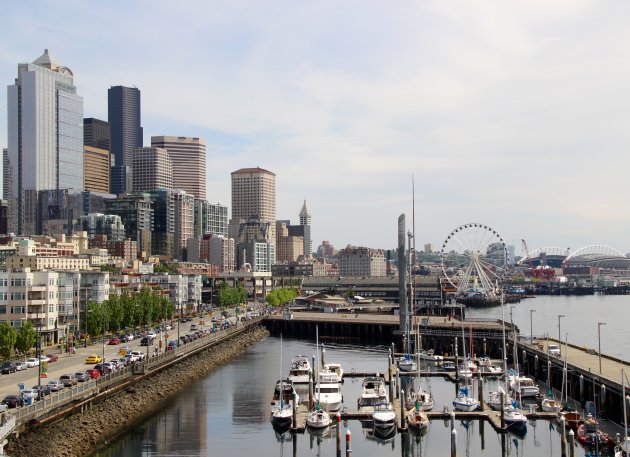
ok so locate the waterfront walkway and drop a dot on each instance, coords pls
(583, 359)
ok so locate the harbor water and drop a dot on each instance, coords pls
(227, 413)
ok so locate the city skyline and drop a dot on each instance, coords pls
(510, 116)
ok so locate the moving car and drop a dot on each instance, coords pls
(52, 357)
(93, 358)
(553, 349)
(32, 362)
(82, 376)
(19, 366)
(93, 373)
(114, 340)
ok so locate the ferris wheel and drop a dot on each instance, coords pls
(474, 259)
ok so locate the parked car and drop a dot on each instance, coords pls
(12, 401)
(168, 327)
(151, 334)
(82, 376)
(194, 328)
(93, 358)
(32, 362)
(114, 340)
(138, 354)
(171, 345)
(553, 349)
(8, 367)
(19, 366)
(93, 373)
(68, 380)
(55, 385)
(44, 390)
(52, 357)
(29, 393)
(102, 369)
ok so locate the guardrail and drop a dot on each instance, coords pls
(94, 386)
(7, 427)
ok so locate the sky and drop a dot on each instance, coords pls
(511, 114)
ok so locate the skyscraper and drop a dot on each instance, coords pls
(152, 170)
(96, 156)
(305, 221)
(45, 125)
(189, 162)
(126, 133)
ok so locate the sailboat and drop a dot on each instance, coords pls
(282, 403)
(464, 400)
(407, 363)
(318, 418)
(494, 399)
(514, 419)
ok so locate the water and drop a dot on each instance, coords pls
(227, 413)
(580, 322)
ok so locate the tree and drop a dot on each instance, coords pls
(8, 335)
(26, 337)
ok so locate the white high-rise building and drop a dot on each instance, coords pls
(188, 156)
(45, 135)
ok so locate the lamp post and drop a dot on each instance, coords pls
(599, 344)
(103, 342)
(559, 317)
(531, 325)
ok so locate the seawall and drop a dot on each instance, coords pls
(82, 433)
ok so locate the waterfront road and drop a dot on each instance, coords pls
(75, 363)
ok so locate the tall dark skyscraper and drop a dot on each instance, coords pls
(96, 133)
(125, 134)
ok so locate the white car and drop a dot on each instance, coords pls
(554, 350)
(151, 334)
(168, 327)
(138, 354)
(44, 358)
(26, 393)
(19, 366)
(32, 362)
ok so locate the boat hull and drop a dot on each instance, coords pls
(466, 405)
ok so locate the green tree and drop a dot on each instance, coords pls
(26, 337)
(8, 336)
(116, 311)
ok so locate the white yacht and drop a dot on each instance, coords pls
(551, 405)
(335, 368)
(494, 399)
(525, 387)
(300, 371)
(373, 392)
(406, 363)
(329, 391)
(430, 356)
(384, 416)
(514, 419)
(464, 402)
(286, 399)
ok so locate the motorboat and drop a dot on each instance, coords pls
(286, 399)
(525, 387)
(464, 402)
(514, 419)
(417, 419)
(430, 356)
(384, 416)
(494, 399)
(335, 368)
(572, 419)
(484, 362)
(491, 370)
(420, 399)
(329, 391)
(551, 405)
(589, 435)
(449, 366)
(464, 372)
(300, 371)
(373, 391)
(406, 363)
(317, 418)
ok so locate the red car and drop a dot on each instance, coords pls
(114, 340)
(94, 373)
(52, 357)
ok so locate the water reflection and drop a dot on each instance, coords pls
(228, 414)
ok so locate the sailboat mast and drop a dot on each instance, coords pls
(625, 416)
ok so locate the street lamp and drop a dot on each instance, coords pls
(559, 316)
(531, 325)
(599, 344)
